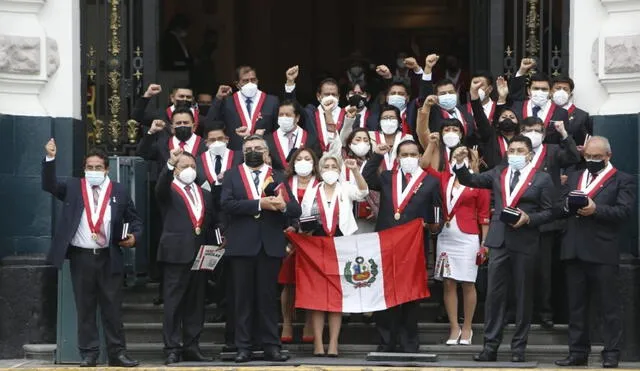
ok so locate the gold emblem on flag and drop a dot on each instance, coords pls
(361, 274)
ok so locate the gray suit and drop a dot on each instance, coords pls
(512, 256)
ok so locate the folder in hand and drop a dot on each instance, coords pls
(576, 200)
(510, 215)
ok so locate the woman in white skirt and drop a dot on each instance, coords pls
(459, 249)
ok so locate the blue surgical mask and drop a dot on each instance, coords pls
(518, 162)
(397, 101)
(448, 101)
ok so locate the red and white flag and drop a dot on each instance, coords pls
(361, 273)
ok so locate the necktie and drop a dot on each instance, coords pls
(218, 164)
(407, 179)
(96, 196)
(356, 124)
(515, 177)
(289, 137)
(101, 241)
(182, 144)
(188, 189)
(248, 103)
(256, 179)
(535, 110)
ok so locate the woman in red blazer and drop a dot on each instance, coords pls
(459, 248)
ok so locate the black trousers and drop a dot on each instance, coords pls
(507, 268)
(93, 285)
(255, 283)
(183, 307)
(543, 274)
(583, 280)
(399, 326)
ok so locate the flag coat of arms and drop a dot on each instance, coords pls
(361, 273)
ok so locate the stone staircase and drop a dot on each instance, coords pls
(143, 327)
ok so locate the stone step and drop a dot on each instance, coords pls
(149, 313)
(358, 333)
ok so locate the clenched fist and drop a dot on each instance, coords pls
(292, 74)
(223, 91)
(50, 148)
(430, 62)
(152, 90)
(384, 71)
(157, 126)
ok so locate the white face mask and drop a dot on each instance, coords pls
(303, 167)
(249, 90)
(409, 164)
(448, 101)
(539, 97)
(286, 123)
(217, 148)
(330, 177)
(560, 97)
(187, 176)
(397, 101)
(451, 139)
(482, 94)
(94, 178)
(535, 137)
(326, 101)
(360, 149)
(389, 126)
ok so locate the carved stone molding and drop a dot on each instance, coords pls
(621, 6)
(53, 57)
(622, 54)
(20, 55)
(22, 6)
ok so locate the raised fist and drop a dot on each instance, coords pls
(559, 126)
(174, 155)
(50, 148)
(157, 126)
(152, 90)
(431, 101)
(223, 91)
(351, 164)
(384, 71)
(430, 62)
(411, 64)
(434, 138)
(382, 148)
(526, 64)
(460, 154)
(292, 74)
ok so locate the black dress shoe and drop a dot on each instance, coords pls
(275, 356)
(122, 360)
(243, 356)
(194, 355)
(89, 361)
(172, 358)
(517, 357)
(572, 360)
(610, 362)
(486, 356)
(546, 324)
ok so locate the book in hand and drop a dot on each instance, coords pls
(208, 258)
(125, 232)
(577, 200)
(509, 215)
(309, 223)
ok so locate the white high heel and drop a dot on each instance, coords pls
(466, 341)
(456, 340)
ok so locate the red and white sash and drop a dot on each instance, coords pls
(364, 118)
(592, 188)
(95, 218)
(321, 128)
(194, 110)
(401, 198)
(347, 171)
(460, 117)
(503, 144)
(527, 111)
(174, 142)
(293, 184)
(246, 176)
(451, 203)
(209, 165)
(195, 209)
(329, 213)
(246, 118)
(511, 199)
(278, 138)
(539, 158)
(571, 109)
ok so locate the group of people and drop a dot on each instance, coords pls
(253, 167)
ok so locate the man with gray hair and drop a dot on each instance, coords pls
(597, 201)
(257, 210)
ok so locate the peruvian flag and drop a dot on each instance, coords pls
(361, 273)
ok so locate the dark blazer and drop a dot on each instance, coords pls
(420, 206)
(596, 238)
(155, 147)
(436, 116)
(145, 116)
(178, 243)
(311, 143)
(69, 192)
(580, 124)
(225, 110)
(487, 136)
(245, 234)
(536, 201)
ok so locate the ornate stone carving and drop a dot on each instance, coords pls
(53, 57)
(621, 6)
(595, 55)
(19, 55)
(622, 54)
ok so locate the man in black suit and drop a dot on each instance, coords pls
(256, 219)
(552, 159)
(590, 250)
(188, 224)
(246, 112)
(513, 247)
(89, 234)
(398, 326)
(580, 123)
(175, 54)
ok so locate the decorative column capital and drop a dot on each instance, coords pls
(621, 6)
(22, 6)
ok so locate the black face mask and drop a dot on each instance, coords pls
(203, 109)
(253, 159)
(595, 167)
(357, 101)
(507, 126)
(183, 103)
(183, 133)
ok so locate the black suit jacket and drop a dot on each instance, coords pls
(536, 201)
(245, 234)
(145, 116)
(436, 117)
(70, 193)
(225, 110)
(178, 243)
(155, 147)
(420, 206)
(596, 238)
(580, 124)
(311, 143)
